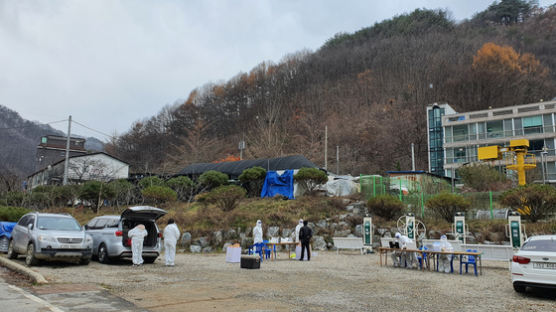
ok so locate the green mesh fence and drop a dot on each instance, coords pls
(415, 193)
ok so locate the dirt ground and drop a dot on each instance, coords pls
(329, 282)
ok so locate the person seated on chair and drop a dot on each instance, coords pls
(445, 259)
(407, 258)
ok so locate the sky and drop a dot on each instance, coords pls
(109, 63)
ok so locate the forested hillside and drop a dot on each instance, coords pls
(370, 88)
(18, 141)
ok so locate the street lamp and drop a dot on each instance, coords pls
(544, 153)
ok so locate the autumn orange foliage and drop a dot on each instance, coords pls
(227, 159)
(504, 59)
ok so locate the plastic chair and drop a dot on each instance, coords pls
(467, 260)
(424, 258)
(256, 249)
(267, 250)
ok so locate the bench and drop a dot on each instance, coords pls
(492, 252)
(348, 243)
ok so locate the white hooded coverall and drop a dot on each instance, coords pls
(444, 260)
(171, 236)
(258, 232)
(297, 229)
(137, 235)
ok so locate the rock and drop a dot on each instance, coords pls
(185, 239)
(342, 233)
(231, 234)
(319, 243)
(226, 245)
(207, 249)
(358, 230)
(387, 235)
(343, 216)
(381, 231)
(203, 241)
(333, 226)
(351, 235)
(343, 225)
(311, 225)
(345, 201)
(356, 211)
(322, 224)
(195, 248)
(273, 231)
(287, 232)
(217, 236)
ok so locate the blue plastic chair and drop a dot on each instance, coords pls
(267, 250)
(470, 260)
(256, 249)
(424, 259)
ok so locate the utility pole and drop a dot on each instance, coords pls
(325, 147)
(66, 162)
(412, 157)
(337, 159)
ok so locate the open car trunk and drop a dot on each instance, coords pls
(150, 239)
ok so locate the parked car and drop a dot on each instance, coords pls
(110, 240)
(48, 236)
(534, 265)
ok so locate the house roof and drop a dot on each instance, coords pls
(235, 168)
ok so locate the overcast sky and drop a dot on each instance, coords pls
(109, 63)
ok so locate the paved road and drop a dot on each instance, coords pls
(61, 297)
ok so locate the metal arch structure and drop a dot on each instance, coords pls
(420, 228)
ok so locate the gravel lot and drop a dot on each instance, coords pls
(329, 282)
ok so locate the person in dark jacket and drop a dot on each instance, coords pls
(305, 235)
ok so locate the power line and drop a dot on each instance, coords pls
(34, 125)
(94, 130)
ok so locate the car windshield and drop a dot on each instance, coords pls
(540, 245)
(58, 224)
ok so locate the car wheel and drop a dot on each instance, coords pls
(30, 258)
(11, 252)
(149, 259)
(103, 254)
(519, 288)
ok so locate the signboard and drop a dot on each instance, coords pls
(516, 237)
(459, 224)
(410, 226)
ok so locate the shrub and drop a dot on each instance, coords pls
(226, 197)
(12, 214)
(535, 201)
(386, 206)
(483, 178)
(182, 185)
(150, 181)
(61, 195)
(310, 178)
(38, 200)
(14, 199)
(96, 192)
(124, 191)
(445, 205)
(253, 178)
(213, 179)
(159, 194)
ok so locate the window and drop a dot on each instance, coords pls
(481, 130)
(23, 221)
(448, 134)
(472, 131)
(508, 128)
(546, 245)
(549, 143)
(449, 155)
(535, 147)
(495, 129)
(547, 121)
(92, 223)
(518, 129)
(112, 223)
(459, 155)
(101, 223)
(58, 224)
(460, 133)
(532, 125)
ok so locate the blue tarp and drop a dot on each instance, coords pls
(6, 229)
(275, 184)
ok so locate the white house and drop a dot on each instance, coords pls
(95, 166)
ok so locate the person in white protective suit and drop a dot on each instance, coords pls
(258, 232)
(407, 259)
(137, 235)
(171, 236)
(444, 260)
(297, 228)
(396, 254)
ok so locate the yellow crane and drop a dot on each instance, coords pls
(519, 161)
